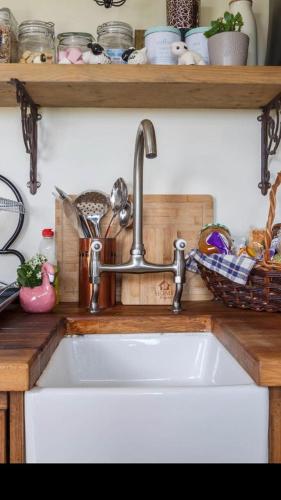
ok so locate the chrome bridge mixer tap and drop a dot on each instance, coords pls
(145, 143)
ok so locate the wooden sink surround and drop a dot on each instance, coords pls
(27, 343)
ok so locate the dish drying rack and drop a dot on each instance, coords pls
(9, 292)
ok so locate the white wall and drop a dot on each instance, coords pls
(216, 152)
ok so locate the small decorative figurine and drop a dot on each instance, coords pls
(133, 56)
(96, 55)
(185, 56)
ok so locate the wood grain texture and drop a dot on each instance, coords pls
(275, 425)
(256, 345)
(148, 86)
(24, 352)
(166, 217)
(16, 428)
(3, 427)
(3, 436)
(166, 323)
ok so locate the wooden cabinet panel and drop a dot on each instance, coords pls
(3, 427)
(275, 425)
(16, 427)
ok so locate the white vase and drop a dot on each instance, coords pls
(250, 26)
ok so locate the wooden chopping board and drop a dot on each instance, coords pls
(166, 217)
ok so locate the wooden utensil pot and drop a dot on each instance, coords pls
(107, 295)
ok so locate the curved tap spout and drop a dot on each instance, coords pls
(145, 142)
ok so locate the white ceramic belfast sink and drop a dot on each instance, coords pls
(145, 398)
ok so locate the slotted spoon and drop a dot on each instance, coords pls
(94, 205)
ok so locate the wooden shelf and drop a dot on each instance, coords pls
(143, 86)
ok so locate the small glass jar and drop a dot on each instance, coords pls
(37, 42)
(71, 47)
(115, 37)
(8, 37)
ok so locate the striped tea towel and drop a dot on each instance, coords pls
(234, 268)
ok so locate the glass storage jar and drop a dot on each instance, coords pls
(115, 37)
(71, 46)
(8, 37)
(37, 42)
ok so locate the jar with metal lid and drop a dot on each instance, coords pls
(72, 46)
(8, 37)
(115, 37)
(37, 42)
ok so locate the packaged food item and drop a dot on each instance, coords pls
(37, 42)
(255, 250)
(215, 238)
(257, 235)
(8, 37)
(277, 258)
(256, 243)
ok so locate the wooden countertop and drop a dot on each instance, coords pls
(28, 341)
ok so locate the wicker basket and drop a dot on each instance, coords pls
(263, 289)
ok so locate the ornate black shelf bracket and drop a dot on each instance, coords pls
(270, 138)
(29, 120)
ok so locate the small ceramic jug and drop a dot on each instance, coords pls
(40, 299)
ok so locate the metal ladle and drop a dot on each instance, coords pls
(118, 199)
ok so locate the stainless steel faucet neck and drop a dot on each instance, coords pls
(145, 143)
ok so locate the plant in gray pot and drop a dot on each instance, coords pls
(228, 46)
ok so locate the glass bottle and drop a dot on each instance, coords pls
(273, 56)
(183, 14)
(245, 7)
(47, 248)
(37, 42)
(115, 37)
(71, 46)
(8, 37)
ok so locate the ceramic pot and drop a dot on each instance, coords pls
(40, 299)
(36, 300)
(229, 49)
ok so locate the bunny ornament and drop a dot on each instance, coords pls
(185, 56)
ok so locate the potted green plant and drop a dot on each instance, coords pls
(228, 46)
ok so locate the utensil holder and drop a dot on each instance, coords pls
(107, 295)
